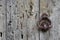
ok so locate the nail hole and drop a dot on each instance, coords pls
(12, 32)
(9, 6)
(0, 5)
(9, 23)
(22, 36)
(0, 34)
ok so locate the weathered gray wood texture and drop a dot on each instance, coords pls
(18, 19)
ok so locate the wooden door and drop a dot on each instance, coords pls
(19, 18)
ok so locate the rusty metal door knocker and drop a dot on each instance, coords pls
(44, 23)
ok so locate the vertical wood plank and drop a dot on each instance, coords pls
(10, 25)
(22, 17)
(45, 7)
(2, 19)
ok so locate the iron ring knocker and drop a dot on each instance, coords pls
(44, 23)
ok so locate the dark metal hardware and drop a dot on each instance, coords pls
(44, 23)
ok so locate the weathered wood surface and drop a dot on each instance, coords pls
(18, 19)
